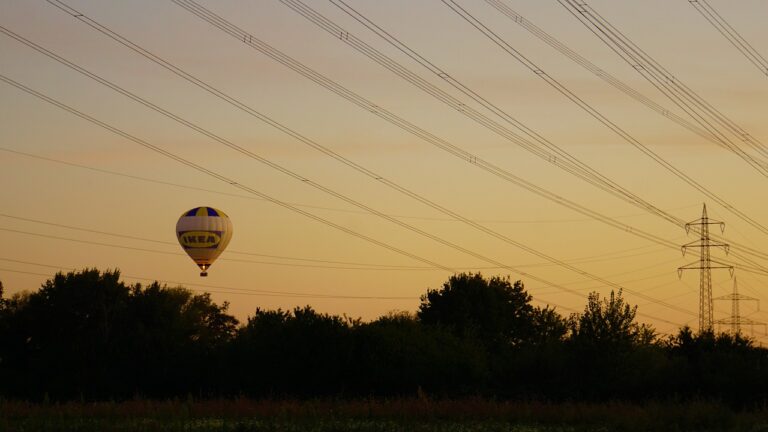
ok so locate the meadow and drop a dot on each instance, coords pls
(407, 414)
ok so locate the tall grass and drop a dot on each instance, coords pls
(418, 414)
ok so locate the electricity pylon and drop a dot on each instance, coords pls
(704, 265)
(736, 320)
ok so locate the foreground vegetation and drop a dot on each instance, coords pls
(91, 353)
(365, 415)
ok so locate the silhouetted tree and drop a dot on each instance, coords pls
(300, 352)
(396, 354)
(70, 330)
(606, 344)
(609, 324)
(548, 326)
(493, 310)
(86, 334)
(722, 365)
(174, 339)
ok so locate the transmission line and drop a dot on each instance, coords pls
(496, 39)
(283, 204)
(336, 194)
(681, 95)
(561, 158)
(232, 290)
(336, 88)
(268, 293)
(559, 46)
(349, 266)
(728, 32)
(248, 39)
(334, 209)
(295, 176)
(214, 174)
(351, 40)
(326, 24)
(262, 293)
(755, 267)
(622, 254)
(325, 189)
(255, 43)
(301, 178)
(352, 97)
(246, 188)
(665, 82)
(534, 143)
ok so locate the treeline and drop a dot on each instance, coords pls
(89, 336)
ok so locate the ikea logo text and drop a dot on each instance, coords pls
(199, 239)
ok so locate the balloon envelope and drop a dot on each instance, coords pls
(204, 233)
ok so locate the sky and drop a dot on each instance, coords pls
(79, 196)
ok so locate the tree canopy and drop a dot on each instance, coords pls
(493, 310)
(88, 335)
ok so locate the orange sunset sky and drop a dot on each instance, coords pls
(75, 195)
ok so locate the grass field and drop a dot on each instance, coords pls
(374, 415)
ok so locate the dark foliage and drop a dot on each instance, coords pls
(88, 336)
(493, 310)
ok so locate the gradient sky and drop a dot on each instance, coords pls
(299, 261)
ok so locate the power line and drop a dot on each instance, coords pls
(334, 209)
(213, 174)
(248, 39)
(235, 31)
(725, 29)
(666, 83)
(379, 111)
(559, 46)
(755, 267)
(390, 64)
(316, 185)
(681, 95)
(532, 142)
(309, 73)
(371, 266)
(265, 293)
(349, 39)
(292, 174)
(222, 178)
(560, 158)
(231, 290)
(506, 47)
(334, 193)
(246, 188)
(139, 249)
(261, 293)
(615, 255)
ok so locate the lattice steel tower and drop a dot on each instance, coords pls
(736, 320)
(704, 265)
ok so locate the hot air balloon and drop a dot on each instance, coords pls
(204, 233)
